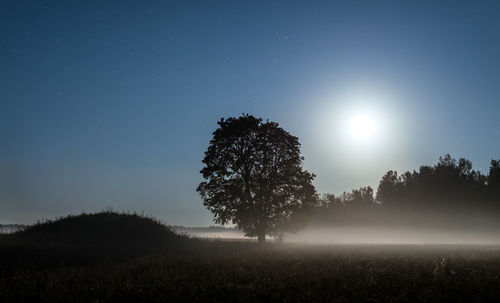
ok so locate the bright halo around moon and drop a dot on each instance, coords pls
(362, 127)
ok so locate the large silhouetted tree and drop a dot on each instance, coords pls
(254, 177)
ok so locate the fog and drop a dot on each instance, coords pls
(371, 235)
(388, 226)
(379, 235)
(217, 235)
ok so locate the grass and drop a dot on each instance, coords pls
(226, 271)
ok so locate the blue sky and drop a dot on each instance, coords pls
(113, 103)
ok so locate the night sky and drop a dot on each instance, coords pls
(108, 103)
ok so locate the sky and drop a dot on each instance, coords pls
(112, 103)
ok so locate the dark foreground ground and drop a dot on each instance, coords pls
(225, 271)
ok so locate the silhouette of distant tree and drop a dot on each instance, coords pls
(330, 201)
(446, 184)
(494, 174)
(357, 198)
(362, 197)
(493, 181)
(389, 188)
(254, 177)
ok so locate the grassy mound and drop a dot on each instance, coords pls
(102, 229)
(90, 238)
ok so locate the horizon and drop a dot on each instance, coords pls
(105, 104)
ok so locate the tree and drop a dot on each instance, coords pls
(362, 197)
(494, 181)
(329, 201)
(494, 174)
(388, 188)
(447, 185)
(254, 177)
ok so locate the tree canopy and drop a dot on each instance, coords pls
(254, 177)
(449, 184)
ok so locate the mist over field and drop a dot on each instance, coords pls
(371, 235)
(380, 235)
(374, 235)
(355, 218)
(387, 227)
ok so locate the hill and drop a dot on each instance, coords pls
(104, 228)
(90, 237)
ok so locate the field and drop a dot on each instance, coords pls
(227, 271)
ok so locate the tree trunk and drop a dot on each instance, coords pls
(261, 237)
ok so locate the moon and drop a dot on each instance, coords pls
(362, 126)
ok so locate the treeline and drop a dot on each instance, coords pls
(449, 184)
